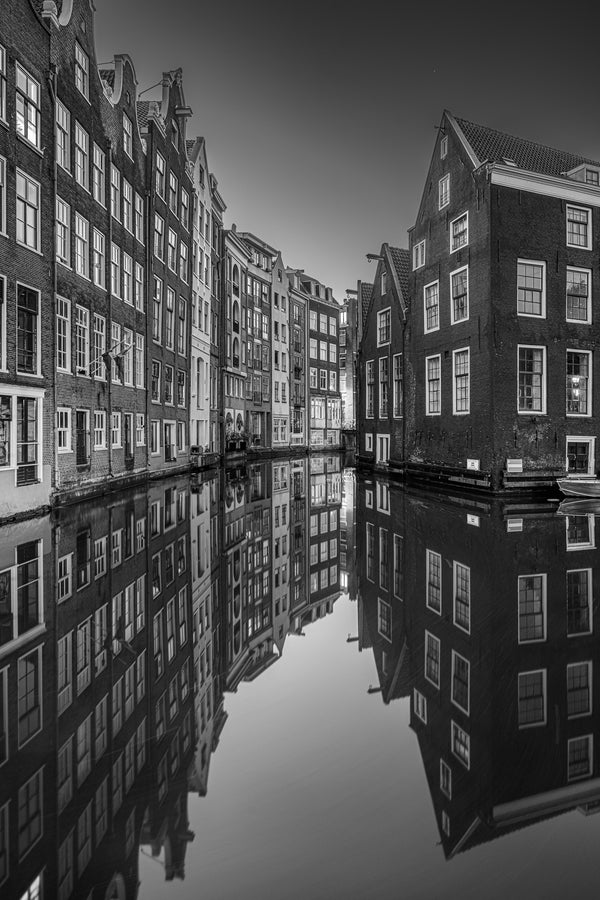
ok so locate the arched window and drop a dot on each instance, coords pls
(236, 316)
(236, 353)
(236, 281)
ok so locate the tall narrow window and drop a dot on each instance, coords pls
(27, 330)
(532, 379)
(444, 191)
(579, 307)
(532, 698)
(82, 246)
(531, 288)
(459, 232)
(63, 334)
(579, 689)
(532, 608)
(27, 106)
(431, 300)
(433, 588)
(82, 71)
(578, 382)
(459, 290)
(398, 392)
(370, 373)
(99, 259)
(82, 340)
(461, 676)
(28, 211)
(99, 175)
(82, 156)
(461, 381)
(63, 232)
(462, 596)
(432, 659)
(63, 136)
(383, 386)
(433, 400)
(579, 602)
(127, 136)
(579, 227)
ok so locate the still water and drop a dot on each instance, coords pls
(286, 678)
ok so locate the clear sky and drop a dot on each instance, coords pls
(320, 117)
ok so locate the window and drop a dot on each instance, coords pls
(99, 346)
(579, 394)
(30, 825)
(459, 232)
(444, 191)
(420, 706)
(63, 136)
(579, 602)
(115, 193)
(99, 175)
(419, 255)
(116, 429)
(461, 674)
(579, 227)
(127, 136)
(139, 218)
(183, 261)
(185, 208)
(445, 779)
(155, 381)
(181, 326)
(433, 403)
(169, 384)
(370, 371)
(580, 762)
(579, 307)
(2, 85)
(63, 430)
(82, 340)
(531, 288)
(461, 379)
(27, 110)
(140, 362)
(431, 301)
(579, 689)
(592, 176)
(532, 698)
(99, 259)
(82, 71)
(29, 694)
(462, 596)
(28, 335)
(127, 279)
(173, 193)
(444, 147)
(398, 399)
(82, 246)
(532, 608)
(28, 211)
(532, 379)
(384, 619)
(433, 595)
(580, 456)
(159, 237)
(172, 250)
(383, 386)
(63, 334)
(2, 191)
(127, 206)
(99, 429)
(383, 326)
(160, 175)
(140, 429)
(461, 744)
(115, 270)
(459, 293)
(432, 659)
(82, 156)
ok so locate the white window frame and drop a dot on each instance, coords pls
(453, 318)
(537, 724)
(435, 640)
(63, 315)
(428, 406)
(588, 319)
(63, 430)
(544, 588)
(81, 156)
(99, 175)
(444, 191)
(63, 136)
(127, 135)
(542, 266)
(28, 209)
(433, 285)
(588, 211)
(453, 245)
(466, 710)
(542, 410)
(430, 555)
(99, 429)
(63, 232)
(387, 312)
(418, 255)
(82, 71)
(454, 730)
(420, 706)
(444, 147)
(582, 439)
(455, 565)
(587, 414)
(455, 410)
(82, 246)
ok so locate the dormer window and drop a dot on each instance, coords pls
(508, 161)
(592, 176)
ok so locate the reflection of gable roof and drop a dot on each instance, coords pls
(364, 299)
(490, 145)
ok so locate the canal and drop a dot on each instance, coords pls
(288, 677)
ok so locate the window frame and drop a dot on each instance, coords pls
(540, 723)
(453, 318)
(589, 387)
(455, 656)
(429, 410)
(542, 411)
(453, 245)
(588, 319)
(588, 211)
(544, 608)
(427, 329)
(418, 255)
(444, 191)
(542, 266)
(455, 375)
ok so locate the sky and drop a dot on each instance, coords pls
(320, 117)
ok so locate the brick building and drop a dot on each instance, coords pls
(169, 185)
(26, 282)
(234, 349)
(381, 361)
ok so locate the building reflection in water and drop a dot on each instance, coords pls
(123, 622)
(482, 613)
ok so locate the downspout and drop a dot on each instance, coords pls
(110, 308)
(52, 88)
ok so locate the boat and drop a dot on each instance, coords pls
(579, 487)
(584, 507)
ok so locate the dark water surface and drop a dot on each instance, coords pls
(286, 679)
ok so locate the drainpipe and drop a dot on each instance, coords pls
(107, 198)
(54, 478)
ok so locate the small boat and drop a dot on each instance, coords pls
(579, 487)
(584, 507)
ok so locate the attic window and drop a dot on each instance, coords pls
(508, 161)
(444, 147)
(592, 176)
(383, 282)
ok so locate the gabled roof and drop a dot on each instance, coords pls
(490, 145)
(365, 293)
(401, 260)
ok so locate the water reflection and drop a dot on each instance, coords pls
(482, 613)
(122, 624)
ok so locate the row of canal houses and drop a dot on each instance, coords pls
(478, 360)
(138, 335)
(124, 622)
(480, 616)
